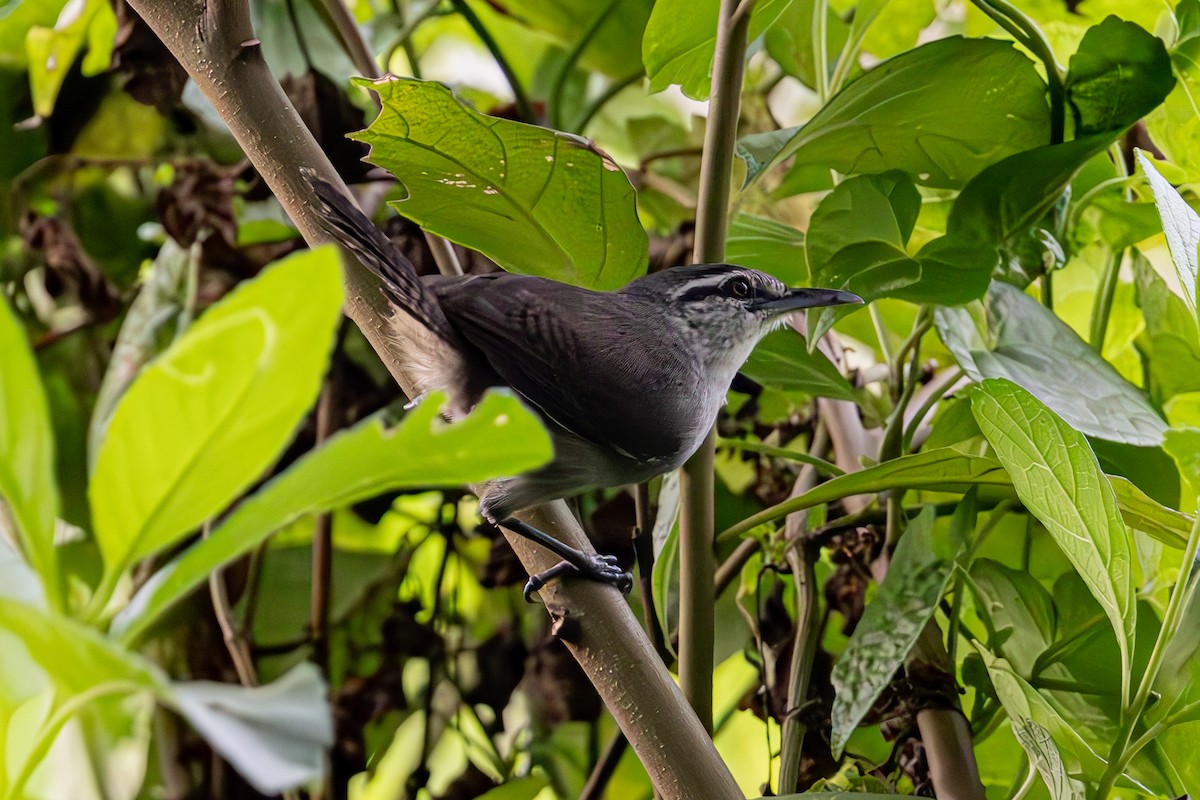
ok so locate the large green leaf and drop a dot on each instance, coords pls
(88, 26)
(1057, 477)
(500, 437)
(1142, 512)
(1181, 225)
(206, 419)
(941, 113)
(1021, 340)
(893, 621)
(1117, 76)
(534, 201)
(681, 38)
(857, 240)
(27, 452)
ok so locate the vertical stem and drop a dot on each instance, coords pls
(697, 563)
(1102, 306)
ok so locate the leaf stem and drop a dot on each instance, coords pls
(1029, 35)
(1102, 305)
(821, 465)
(524, 109)
(820, 45)
(613, 89)
(560, 80)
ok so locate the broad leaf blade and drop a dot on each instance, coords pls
(207, 418)
(1026, 343)
(500, 437)
(27, 481)
(1057, 477)
(941, 113)
(535, 201)
(782, 361)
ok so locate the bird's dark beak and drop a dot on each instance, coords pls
(807, 298)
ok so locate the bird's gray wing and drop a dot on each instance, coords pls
(580, 357)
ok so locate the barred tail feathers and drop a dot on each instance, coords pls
(351, 228)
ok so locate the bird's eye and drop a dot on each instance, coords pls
(739, 287)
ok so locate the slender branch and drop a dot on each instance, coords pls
(611, 91)
(215, 44)
(696, 559)
(239, 653)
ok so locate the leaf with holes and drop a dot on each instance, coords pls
(534, 201)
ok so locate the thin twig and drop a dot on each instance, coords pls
(235, 643)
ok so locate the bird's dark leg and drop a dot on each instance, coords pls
(600, 568)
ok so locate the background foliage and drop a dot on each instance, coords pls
(1000, 452)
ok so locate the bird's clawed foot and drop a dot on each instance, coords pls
(601, 568)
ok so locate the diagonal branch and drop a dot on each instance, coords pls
(215, 43)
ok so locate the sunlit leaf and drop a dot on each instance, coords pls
(767, 245)
(207, 418)
(1058, 479)
(500, 437)
(27, 483)
(1182, 228)
(1171, 341)
(1023, 341)
(941, 113)
(535, 201)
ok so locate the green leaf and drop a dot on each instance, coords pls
(940, 112)
(275, 736)
(206, 419)
(782, 361)
(1043, 753)
(1174, 125)
(1117, 76)
(681, 37)
(526, 788)
(27, 452)
(1181, 225)
(1021, 340)
(89, 25)
(890, 626)
(500, 437)
(1170, 341)
(789, 40)
(1150, 517)
(1183, 445)
(160, 299)
(857, 241)
(1058, 479)
(767, 245)
(1003, 203)
(1025, 705)
(535, 201)
(1018, 611)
